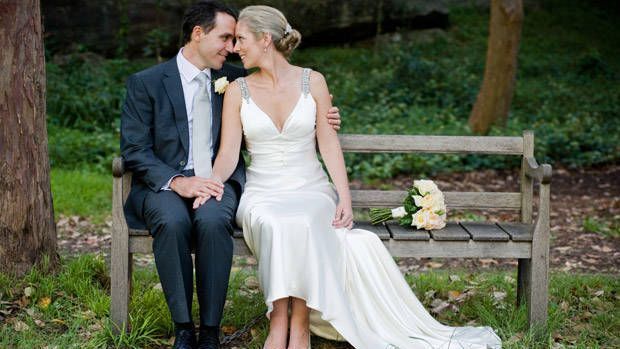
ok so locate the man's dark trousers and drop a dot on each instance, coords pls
(176, 227)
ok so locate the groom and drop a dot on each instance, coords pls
(170, 129)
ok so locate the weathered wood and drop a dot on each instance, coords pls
(120, 268)
(454, 200)
(27, 229)
(407, 233)
(459, 249)
(517, 231)
(484, 231)
(538, 289)
(431, 144)
(542, 173)
(452, 232)
(524, 241)
(527, 201)
(381, 230)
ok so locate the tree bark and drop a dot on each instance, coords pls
(27, 229)
(493, 102)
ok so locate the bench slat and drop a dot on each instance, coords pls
(454, 200)
(431, 144)
(452, 232)
(485, 231)
(518, 231)
(459, 249)
(407, 233)
(381, 230)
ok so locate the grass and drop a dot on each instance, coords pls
(70, 309)
(606, 227)
(82, 192)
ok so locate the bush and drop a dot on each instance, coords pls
(567, 91)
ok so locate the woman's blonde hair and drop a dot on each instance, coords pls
(262, 19)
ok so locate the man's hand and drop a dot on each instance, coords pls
(191, 187)
(333, 117)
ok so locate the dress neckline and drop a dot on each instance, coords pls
(280, 131)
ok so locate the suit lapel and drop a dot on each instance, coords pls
(174, 89)
(216, 109)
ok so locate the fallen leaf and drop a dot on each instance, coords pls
(499, 296)
(251, 282)
(44, 302)
(20, 326)
(454, 278)
(452, 295)
(28, 291)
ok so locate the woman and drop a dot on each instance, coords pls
(337, 282)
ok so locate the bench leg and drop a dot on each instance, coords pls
(522, 281)
(538, 289)
(120, 280)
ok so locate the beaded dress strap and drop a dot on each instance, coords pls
(245, 92)
(305, 81)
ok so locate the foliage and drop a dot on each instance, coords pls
(567, 91)
(71, 307)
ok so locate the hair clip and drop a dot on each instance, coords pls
(288, 29)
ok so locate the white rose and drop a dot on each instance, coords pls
(420, 219)
(399, 212)
(220, 85)
(417, 199)
(425, 186)
(435, 221)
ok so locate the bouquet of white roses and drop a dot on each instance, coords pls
(424, 208)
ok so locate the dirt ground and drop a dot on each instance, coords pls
(576, 195)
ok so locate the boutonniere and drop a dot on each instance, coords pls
(220, 85)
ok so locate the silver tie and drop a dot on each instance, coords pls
(201, 129)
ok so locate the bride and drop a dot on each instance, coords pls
(340, 283)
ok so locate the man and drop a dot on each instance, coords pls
(170, 129)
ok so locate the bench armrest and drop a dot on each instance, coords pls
(118, 167)
(542, 173)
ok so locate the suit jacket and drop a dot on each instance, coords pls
(155, 131)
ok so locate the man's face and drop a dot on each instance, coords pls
(214, 46)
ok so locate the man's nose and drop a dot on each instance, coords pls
(229, 46)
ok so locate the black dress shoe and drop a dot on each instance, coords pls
(209, 339)
(184, 339)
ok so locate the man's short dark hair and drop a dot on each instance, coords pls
(203, 13)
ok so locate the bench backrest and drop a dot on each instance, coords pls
(520, 146)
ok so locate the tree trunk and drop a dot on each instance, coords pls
(493, 102)
(27, 229)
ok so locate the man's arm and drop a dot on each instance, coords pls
(137, 139)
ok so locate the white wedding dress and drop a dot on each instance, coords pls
(347, 277)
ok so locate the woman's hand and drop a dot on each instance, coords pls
(217, 191)
(344, 215)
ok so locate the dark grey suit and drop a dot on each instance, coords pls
(154, 145)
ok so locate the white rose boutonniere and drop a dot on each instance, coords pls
(220, 85)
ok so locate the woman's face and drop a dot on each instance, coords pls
(249, 48)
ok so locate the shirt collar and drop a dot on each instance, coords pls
(187, 69)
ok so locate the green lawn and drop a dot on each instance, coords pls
(85, 193)
(71, 308)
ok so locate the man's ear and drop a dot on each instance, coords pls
(196, 32)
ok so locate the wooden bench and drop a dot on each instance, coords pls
(527, 241)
